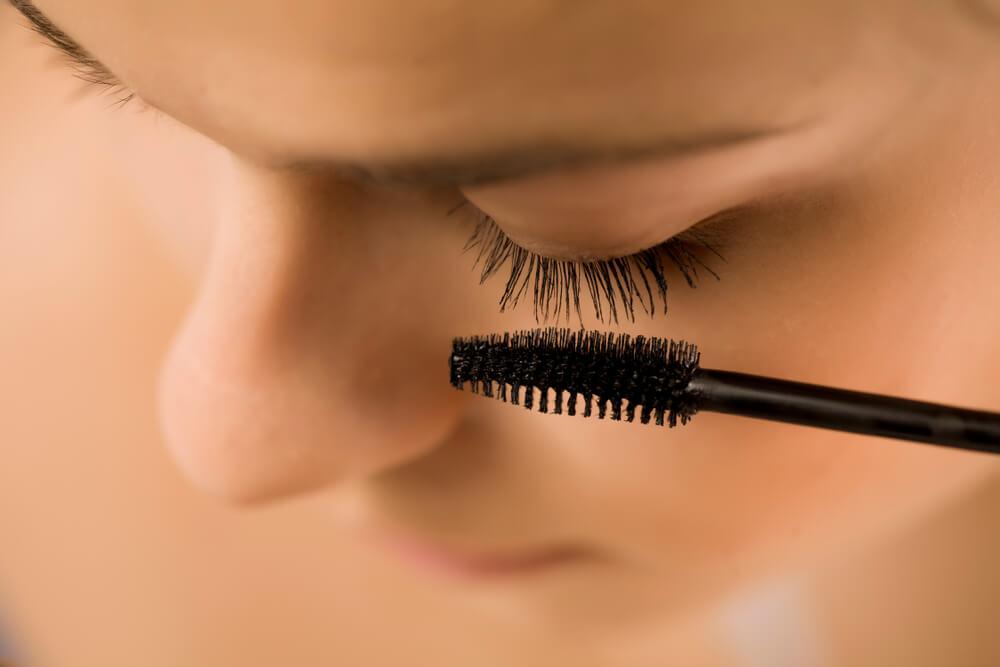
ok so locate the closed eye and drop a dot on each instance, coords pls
(555, 283)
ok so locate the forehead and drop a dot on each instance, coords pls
(304, 79)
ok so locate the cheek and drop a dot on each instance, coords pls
(723, 497)
(174, 175)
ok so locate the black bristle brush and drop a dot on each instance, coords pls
(664, 378)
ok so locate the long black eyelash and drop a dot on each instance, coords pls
(556, 283)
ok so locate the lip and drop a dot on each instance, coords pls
(479, 564)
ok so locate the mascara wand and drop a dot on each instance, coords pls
(664, 378)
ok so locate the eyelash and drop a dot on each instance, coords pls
(560, 280)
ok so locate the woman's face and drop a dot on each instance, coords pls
(305, 160)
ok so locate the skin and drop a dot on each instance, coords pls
(299, 287)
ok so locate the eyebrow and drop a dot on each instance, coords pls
(45, 27)
(443, 171)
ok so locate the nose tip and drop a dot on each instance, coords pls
(217, 418)
(247, 424)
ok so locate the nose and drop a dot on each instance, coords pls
(316, 346)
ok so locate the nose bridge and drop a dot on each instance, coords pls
(297, 365)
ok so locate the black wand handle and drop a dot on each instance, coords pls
(843, 410)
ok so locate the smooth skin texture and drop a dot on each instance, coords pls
(225, 350)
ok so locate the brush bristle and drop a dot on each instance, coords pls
(610, 368)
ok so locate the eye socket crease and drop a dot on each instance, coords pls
(85, 66)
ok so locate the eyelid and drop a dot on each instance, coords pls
(559, 280)
(711, 232)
